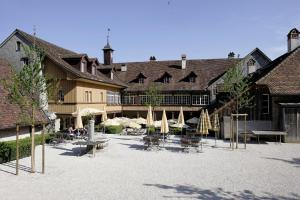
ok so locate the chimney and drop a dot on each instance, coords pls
(231, 55)
(183, 61)
(152, 58)
(293, 39)
(111, 75)
(123, 68)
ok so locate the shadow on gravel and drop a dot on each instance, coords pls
(13, 166)
(193, 192)
(294, 161)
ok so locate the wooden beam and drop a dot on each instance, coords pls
(43, 149)
(32, 150)
(17, 149)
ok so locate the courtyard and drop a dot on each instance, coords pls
(125, 170)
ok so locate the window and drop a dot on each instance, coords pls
(192, 79)
(251, 62)
(86, 96)
(18, 46)
(141, 80)
(24, 61)
(265, 104)
(90, 96)
(61, 96)
(182, 99)
(251, 66)
(204, 100)
(83, 67)
(166, 79)
(113, 97)
(200, 99)
(128, 99)
(101, 97)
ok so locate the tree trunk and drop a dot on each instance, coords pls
(32, 143)
(237, 122)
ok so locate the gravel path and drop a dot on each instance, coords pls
(124, 170)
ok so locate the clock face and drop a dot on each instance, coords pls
(294, 36)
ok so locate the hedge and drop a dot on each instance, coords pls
(8, 149)
(177, 131)
(113, 129)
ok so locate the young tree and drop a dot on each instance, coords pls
(30, 89)
(237, 86)
(154, 98)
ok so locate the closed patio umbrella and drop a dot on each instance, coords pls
(202, 126)
(149, 120)
(208, 119)
(78, 123)
(104, 118)
(180, 121)
(216, 126)
(164, 129)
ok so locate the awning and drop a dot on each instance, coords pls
(87, 111)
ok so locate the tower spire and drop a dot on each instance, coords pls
(107, 37)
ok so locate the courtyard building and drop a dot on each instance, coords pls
(81, 87)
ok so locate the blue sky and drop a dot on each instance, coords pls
(163, 28)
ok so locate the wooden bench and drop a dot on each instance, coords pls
(269, 133)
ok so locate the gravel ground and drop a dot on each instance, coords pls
(124, 170)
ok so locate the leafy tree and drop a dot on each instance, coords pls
(30, 89)
(237, 86)
(154, 97)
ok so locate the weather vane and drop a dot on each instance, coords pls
(107, 37)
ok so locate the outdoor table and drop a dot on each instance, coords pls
(151, 139)
(269, 133)
(190, 141)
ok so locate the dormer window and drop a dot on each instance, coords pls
(141, 80)
(167, 79)
(83, 67)
(18, 46)
(192, 79)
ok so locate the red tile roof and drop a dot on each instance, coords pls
(284, 76)
(204, 69)
(56, 54)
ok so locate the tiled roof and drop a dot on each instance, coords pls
(205, 70)
(9, 112)
(283, 76)
(56, 54)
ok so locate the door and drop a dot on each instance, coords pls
(292, 124)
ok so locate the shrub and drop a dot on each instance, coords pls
(151, 130)
(113, 129)
(8, 149)
(176, 131)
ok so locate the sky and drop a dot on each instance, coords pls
(161, 28)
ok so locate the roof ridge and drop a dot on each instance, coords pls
(31, 37)
(157, 61)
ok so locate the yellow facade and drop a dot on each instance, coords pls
(78, 93)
